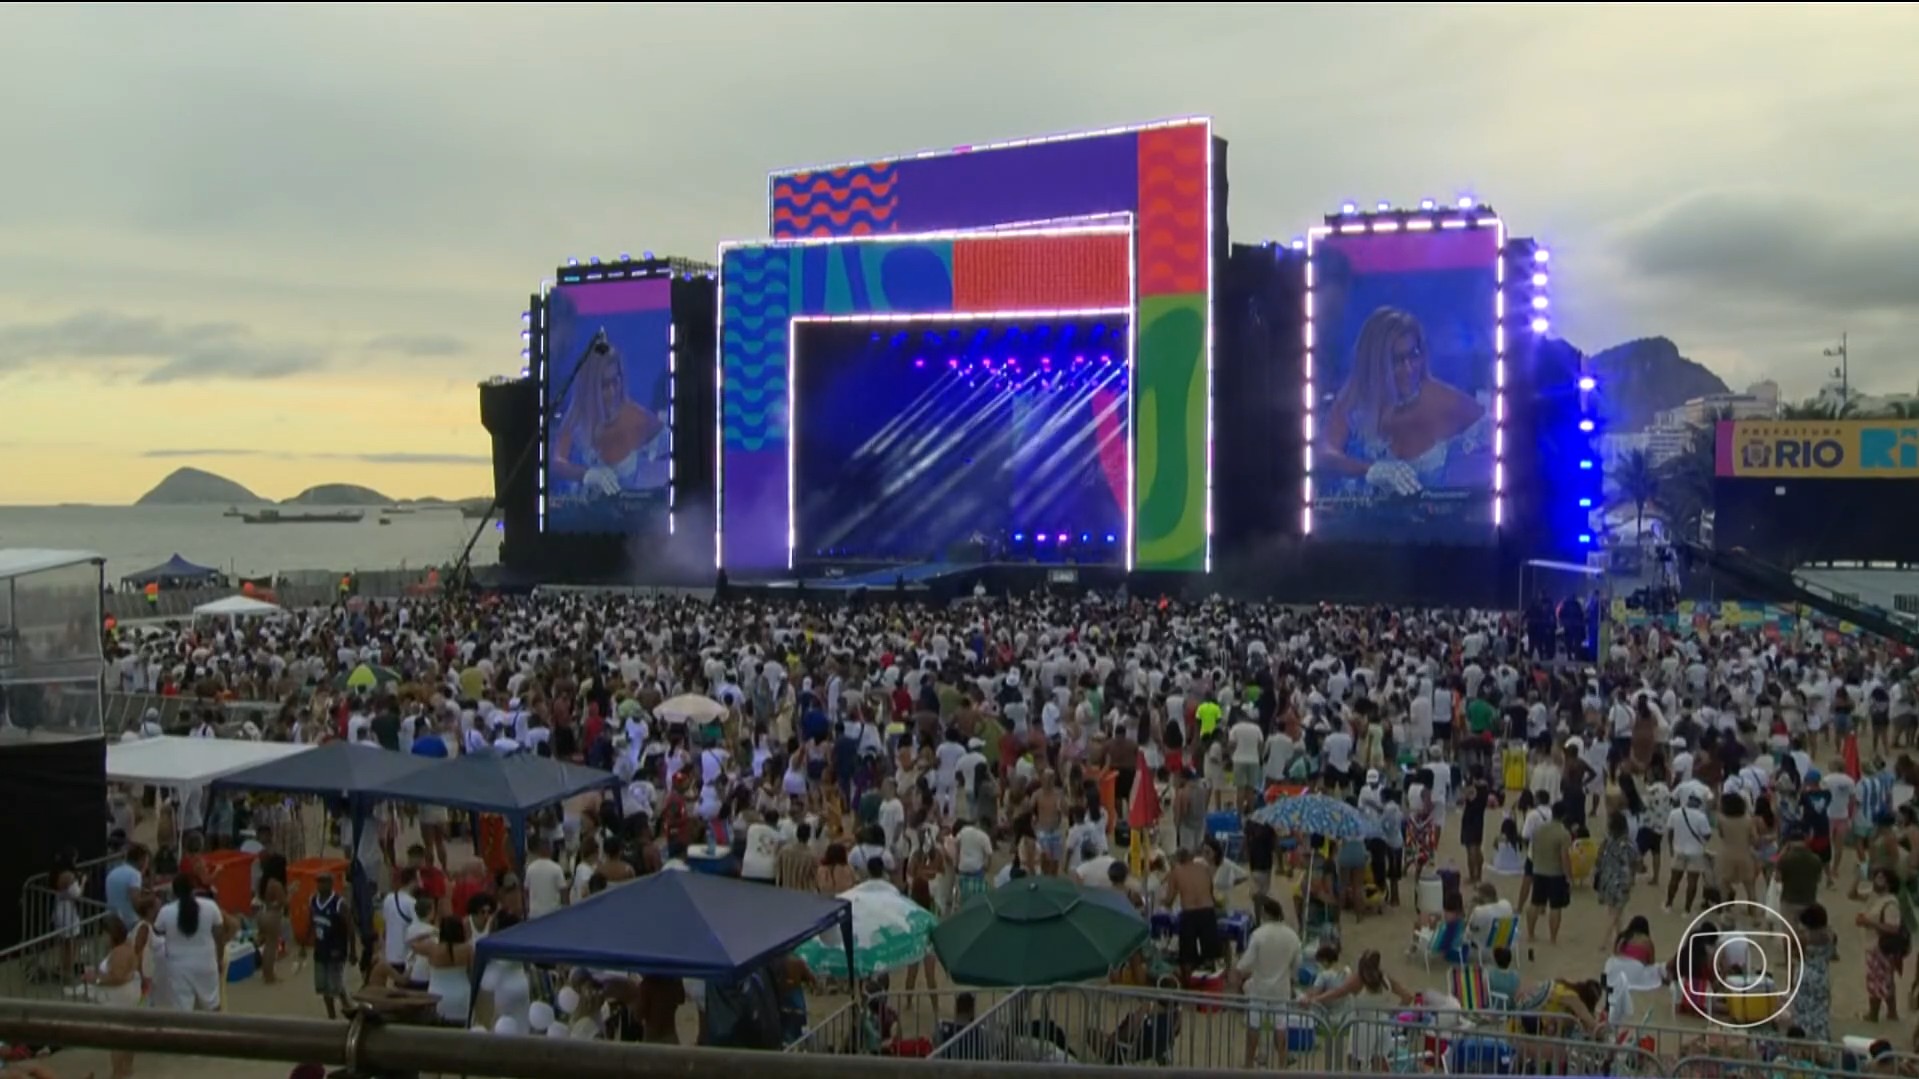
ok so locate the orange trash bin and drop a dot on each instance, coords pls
(228, 875)
(301, 876)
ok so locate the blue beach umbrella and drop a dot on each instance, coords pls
(1317, 814)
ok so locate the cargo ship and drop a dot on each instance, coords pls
(275, 517)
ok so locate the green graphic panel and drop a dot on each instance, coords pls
(1169, 386)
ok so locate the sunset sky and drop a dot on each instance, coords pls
(285, 243)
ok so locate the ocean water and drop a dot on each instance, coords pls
(135, 537)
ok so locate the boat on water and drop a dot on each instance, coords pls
(233, 511)
(275, 517)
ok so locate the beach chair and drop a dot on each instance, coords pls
(1449, 944)
(1503, 933)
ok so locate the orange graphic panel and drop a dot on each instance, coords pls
(1172, 211)
(1041, 273)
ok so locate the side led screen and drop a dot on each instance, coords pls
(608, 397)
(1402, 381)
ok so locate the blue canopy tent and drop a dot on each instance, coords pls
(336, 770)
(512, 786)
(173, 569)
(673, 925)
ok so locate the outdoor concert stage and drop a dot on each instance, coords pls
(1045, 362)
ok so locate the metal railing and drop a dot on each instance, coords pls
(907, 1023)
(369, 1047)
(123, 711)
(50, 964)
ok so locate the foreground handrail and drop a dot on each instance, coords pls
(371, 1047)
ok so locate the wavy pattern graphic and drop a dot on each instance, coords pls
(1170, 469)
(858, 200)
(1172, 211)
(758, 284)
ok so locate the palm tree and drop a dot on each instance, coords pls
(1685, 481)
(1636, 478)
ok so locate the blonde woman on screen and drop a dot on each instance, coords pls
(603, 432)
(1392, 424)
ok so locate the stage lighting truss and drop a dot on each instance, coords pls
(1465, 213)
(533, 362)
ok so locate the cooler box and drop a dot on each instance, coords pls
(229, 876)
(300, 888)
(242, 960)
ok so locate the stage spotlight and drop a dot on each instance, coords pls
(1585, 537)
(1542, 255)
(1299, 243)
(1540, 325)
(1046, 361)
(1539, 280)
(920, 363)
(1086, 537)
(953, 363)
(594, 261)
(1063, 537)
(1585, 503)
(1465, 202)
(624, 257)
(648, 255)
(1383, 206)
(1586, 465)
(572, 262)
(1079, 361)
(1019, 537)
(1106, 359)
(1428, 204)
(1349, 207)
(1041, 537)
(1110, 538)
(1588, 384)
(1586, 425)
(1540, 303)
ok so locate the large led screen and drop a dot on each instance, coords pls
(1402, 350)
(909, 442)
(609, 392)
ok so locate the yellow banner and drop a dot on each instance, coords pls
(1818, 449)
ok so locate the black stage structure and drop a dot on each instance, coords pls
(1260, 550)
(511, 410)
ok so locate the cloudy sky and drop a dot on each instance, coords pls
(284, 243)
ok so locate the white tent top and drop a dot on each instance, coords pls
(189, 762)
(20, 561)
(238, 607)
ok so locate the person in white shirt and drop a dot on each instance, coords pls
(546, 883)
(972, 850)
(1246, 742)
(761, 859)
(1267, 971)
(1488, 908)
(1688, 832)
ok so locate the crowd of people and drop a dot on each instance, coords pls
(1128, 744)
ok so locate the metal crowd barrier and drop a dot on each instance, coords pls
(904, 1023)
(51, 959)
(368, 1047)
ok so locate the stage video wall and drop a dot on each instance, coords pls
(774, 295)
(609, 395)
(909, 443)
(1154, 181)
(1402, 359)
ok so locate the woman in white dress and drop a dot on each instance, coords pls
(449, 956)
(193, 935)
(118, 983)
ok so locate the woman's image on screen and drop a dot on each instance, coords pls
(1393, 429)
(604, 434)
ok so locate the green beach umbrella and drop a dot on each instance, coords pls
(889, 932)
(367, 676)
(1038, 931)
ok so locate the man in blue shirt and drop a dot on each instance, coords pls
(124, 882)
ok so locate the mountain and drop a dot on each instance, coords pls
(193, 487)
(338, 494)
(1640, 378)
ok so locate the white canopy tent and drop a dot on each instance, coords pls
(189, 762)
(237, 607)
